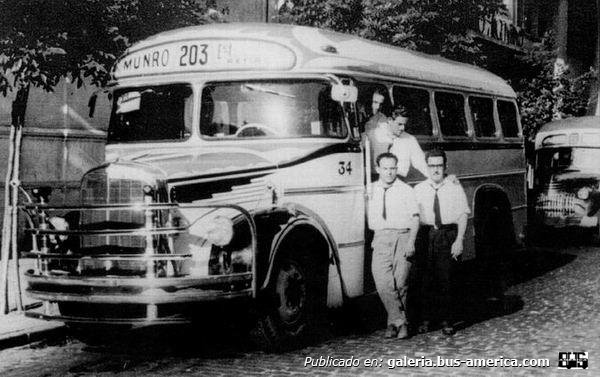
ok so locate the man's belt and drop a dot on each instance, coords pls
(444, 227)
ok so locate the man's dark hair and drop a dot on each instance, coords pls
(400, 111)
(386, 155)
(436, 152)
(379, 92)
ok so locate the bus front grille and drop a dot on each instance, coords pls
(98, 188)
(556, 204)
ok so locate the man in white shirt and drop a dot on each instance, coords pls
(443, 210)
(393, 216)
(402, 144)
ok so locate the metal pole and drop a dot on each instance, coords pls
(266, 11)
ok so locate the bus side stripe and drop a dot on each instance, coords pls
(330, 149)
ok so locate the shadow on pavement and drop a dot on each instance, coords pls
(224, 333)
(482, 293)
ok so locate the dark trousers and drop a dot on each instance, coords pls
(438, 272)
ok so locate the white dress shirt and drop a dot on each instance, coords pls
(406, 148)
(452, 198)
(400, 203)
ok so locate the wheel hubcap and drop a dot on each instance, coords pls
(291, 289)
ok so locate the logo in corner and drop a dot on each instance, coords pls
(572, 360)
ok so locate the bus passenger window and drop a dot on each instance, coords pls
(507, 112)
(416, 101)
(365, 104)
(482, 113)
(451, 113)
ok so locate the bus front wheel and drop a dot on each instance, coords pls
(291, 311)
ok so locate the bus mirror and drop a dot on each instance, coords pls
(92, 104)
(344, 93)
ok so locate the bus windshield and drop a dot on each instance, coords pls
(151, 113)
(270, 109)
(566, 160)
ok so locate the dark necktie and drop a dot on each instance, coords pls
(436, 210)
(384, 194)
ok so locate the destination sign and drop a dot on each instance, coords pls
(205, 55)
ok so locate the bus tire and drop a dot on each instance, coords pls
(495, 245)
(292, 309)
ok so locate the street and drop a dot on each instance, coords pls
(550, 307)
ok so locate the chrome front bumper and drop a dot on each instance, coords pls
(145, 298)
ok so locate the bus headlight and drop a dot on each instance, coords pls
(583, 193)
(58, 223)
(219, 232)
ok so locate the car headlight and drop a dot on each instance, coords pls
(219, 232)
(583, 193)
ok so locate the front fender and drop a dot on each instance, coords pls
(300, 218)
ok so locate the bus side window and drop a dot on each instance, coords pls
(416, 101)
(364, 103)
(482, 114)
(451, 113)
(507, 113)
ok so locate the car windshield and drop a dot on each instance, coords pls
(270, 109)
(564, 160)
(151, 114)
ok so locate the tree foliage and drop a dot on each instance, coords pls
(544, 96)
(435, 26)
(44, 40)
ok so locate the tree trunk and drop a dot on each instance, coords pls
(560, 64)
(597, 112)
(11, 190)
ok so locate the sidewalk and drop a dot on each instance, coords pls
(15, 328)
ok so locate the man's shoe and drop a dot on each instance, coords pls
(391, 331)
(423, 327)
(448, 330)
(402, 332)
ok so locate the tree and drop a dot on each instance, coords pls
(435, 26)
(543, 95)
(42, 41)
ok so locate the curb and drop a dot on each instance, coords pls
(43, 331)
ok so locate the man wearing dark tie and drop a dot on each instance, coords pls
(393, 215)
(443, 210)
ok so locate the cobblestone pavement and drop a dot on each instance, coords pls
(549, 308)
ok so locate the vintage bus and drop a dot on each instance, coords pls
(564, 177)
(235, 169)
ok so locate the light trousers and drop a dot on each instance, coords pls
(390, 271)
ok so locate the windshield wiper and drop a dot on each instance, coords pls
(258, 88)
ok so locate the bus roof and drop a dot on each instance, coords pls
(278, 47)
(585, 122)
(580, 131)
